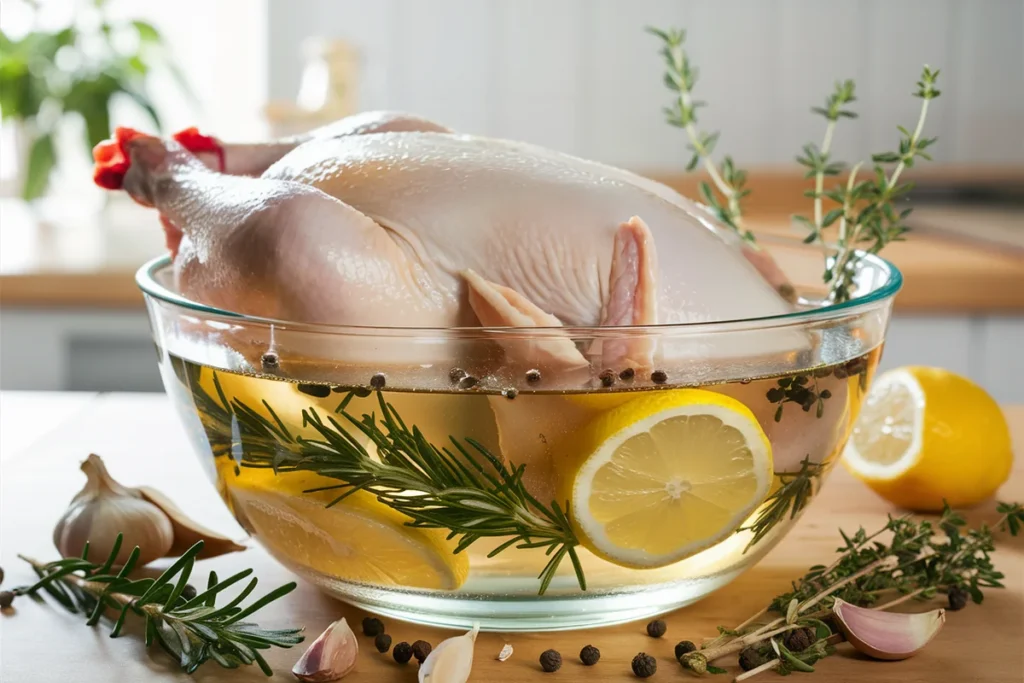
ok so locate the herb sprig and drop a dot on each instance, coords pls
(787, 501)
(904, 560)
(192, 630)
(464, 488)
(865, 213)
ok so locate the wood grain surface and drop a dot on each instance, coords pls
(42, 443)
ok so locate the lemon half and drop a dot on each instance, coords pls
(664, 476)
(925, 435)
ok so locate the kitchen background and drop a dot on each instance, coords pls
(576, 75)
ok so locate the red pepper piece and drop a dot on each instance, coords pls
(112, 160)
(196, 142)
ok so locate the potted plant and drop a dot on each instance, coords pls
(47, 76)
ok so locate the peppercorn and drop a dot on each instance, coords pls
(420, 650)
(533, 376)
(659, 377)
(382, 642)
(270, 360)
(799, 639)
(510, 393)
(315, 390)
(607, 378)
(656, 629)
(589, 655)
(468, 382)
(6, 598)
(627, 374)
(957, 598)
(683, 647)
(378, 381)
(550, 661)
(188, 592)
(1, 574)
(751, 658)
(402, 652)
(644, 665)
(455, 375)
(372, 626)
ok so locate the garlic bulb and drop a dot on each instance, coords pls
(451, 661)
(147, 518)
(331, 656)
(105, 508)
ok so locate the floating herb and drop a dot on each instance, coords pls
(464, 489)
(802, 390)
(788, 500)
(193, 631)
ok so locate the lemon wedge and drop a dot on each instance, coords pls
(665, 475)
(358, 539)
(925, 435)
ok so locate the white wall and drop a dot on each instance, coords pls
(582, 76)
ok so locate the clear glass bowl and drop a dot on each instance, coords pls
(241, 386)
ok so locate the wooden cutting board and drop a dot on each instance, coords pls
(43, 438)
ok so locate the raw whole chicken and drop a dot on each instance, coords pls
(389, 219)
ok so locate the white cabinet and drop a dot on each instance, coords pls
(112, 350)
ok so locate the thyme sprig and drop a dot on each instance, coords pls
(192, 630)
(462, 488)
(904, 560)
(866, 217)
(681, 77)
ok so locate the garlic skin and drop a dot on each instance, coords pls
(188, 531)
(330, 657)
(105, 508)
(506, 652)
(451, 661)
(884, 635)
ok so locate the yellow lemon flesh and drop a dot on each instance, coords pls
(664, 476)
(925, 435)
(358, 539)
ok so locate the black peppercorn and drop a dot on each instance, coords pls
(270, 360)
(627, 374)
(468, 382)
(533, 376)
(751, 658)
(382, 642)
(799, 639)
(1, 574)
(607, 378)
(402, 652)
(644, 665)
(684, 647)
(659, 377)
(550, 661)
(510, 393)
(456, 374)
(589, 655)
(957, 598)
(6, 598)
(315, 390)
(378, 381)
(420, 650)
(656, 629)
(372, 626)
(188, 592)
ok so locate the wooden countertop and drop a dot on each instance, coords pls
(74, 261)
(44, 437)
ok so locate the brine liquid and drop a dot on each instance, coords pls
(362, 544)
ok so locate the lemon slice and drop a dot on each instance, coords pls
(925, 435)
(666, 475)
(358, 539)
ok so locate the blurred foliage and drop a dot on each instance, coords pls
(78, 70)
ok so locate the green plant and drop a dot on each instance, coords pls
(47, 76)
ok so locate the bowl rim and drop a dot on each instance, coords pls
(146, 280)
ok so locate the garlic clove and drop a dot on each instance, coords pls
(887, 635)
(331, 656)
(451, 661)
(186, 530)
(102, 510)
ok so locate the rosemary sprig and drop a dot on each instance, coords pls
(787, 501)
(680, 78)
(464, 489)
(193, 631)
(904, 560)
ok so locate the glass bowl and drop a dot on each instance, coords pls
(283, 415)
